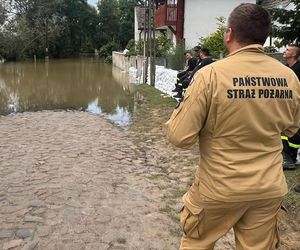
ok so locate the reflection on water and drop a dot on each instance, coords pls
(121, 115)
(82, 84)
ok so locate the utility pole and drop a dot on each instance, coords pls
(46, 41)
(153, 50)
(145, 70)
(149, 42)
(149, 28)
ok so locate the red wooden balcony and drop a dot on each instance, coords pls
(166, 15)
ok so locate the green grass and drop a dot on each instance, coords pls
(154, 96)
(292, 199)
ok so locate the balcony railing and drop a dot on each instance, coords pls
(166, 15)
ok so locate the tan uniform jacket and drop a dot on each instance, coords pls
(237, 108)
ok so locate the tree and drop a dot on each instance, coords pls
(126, 8)
(108, 20)
(289, 23)
(82, 22)
(65, 27)
(214, 42)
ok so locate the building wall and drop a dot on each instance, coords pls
(139, 24)
(136, 30)
(200, 17)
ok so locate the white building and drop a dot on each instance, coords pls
(189, 20)
(200, 17)
(193, 18)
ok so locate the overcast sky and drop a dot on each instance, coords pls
(92, 2)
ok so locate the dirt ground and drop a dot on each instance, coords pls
(73, 180)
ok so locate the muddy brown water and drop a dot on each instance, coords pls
(70, 84)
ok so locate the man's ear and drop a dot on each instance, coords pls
(229, 35)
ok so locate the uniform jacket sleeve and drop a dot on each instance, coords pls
(293, 129)
(188, 119)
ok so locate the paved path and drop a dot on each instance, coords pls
(72, 180)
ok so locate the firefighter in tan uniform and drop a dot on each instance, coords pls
(237, 108)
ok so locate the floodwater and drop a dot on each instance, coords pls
(70, 84)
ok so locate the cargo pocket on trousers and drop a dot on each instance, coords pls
(191, 222)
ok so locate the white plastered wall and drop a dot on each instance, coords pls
(200, 17)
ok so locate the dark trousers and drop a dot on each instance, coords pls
(291, 151)
(184, 84)
(180, 78)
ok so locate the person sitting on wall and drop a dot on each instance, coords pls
(190, 64)
(205, 60)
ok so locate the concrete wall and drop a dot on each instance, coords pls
(200, 17)
(124, 63)
(120, 61)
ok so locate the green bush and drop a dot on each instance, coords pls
(135, 48)
(175, 60)
(107, 49)
(214, 42)
(108, 59)
(163, 46)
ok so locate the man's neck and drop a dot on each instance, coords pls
(291, 61)
(233, 46)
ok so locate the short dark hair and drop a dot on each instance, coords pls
(197, 48)
(297, 50)
(250, 23)
(205, 51)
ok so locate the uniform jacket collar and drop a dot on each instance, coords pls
(253, 48)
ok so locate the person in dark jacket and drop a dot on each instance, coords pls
(291, 145)
(191, 63)
(205, 60)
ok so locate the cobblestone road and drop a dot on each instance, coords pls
(71, 180)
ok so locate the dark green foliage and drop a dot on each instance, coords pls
(108, 59)
(126, 19)
(108, 20)
(135, 48)
(66, 27)
(289, 24)
(163, 46)
(131, 46)
(107, 49)
(175, 60)
(270, 49)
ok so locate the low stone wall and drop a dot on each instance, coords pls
(120, 61)
(124, 63)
